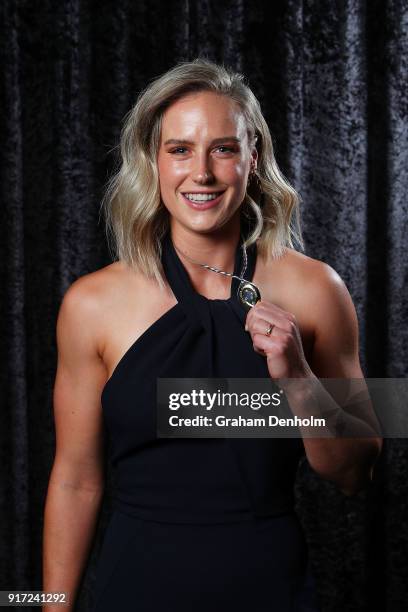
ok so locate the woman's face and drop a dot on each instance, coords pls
(204, 160)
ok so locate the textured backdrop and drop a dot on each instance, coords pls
(332, 80)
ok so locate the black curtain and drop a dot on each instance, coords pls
(331, 76)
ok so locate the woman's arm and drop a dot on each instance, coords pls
(76, 481)
(326, 302)
(347, 461)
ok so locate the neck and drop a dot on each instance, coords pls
(215, 249)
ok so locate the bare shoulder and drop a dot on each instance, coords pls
(316, 294)
(302, 265)
(89, 287)
(115, 305)
(303, 278)
(94, 301)
(321, 285)
(88, 300)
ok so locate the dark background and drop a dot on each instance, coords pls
(332, 80)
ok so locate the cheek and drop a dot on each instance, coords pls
(170, 172)
(235, 173)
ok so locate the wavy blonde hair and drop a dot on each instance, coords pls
(136, 219)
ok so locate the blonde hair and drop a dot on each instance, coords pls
(137, 220)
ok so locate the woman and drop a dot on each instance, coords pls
(197, 524)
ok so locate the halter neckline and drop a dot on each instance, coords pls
(179, 278)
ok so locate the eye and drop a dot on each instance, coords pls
(225, 149)
(179, 150)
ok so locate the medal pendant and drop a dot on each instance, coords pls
(248, 294)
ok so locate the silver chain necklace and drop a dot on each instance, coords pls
(248, 293)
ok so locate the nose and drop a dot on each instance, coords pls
(202, 173)
(203, 178)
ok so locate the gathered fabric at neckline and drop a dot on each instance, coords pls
(186, 295)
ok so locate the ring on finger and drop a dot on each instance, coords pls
(269, 330)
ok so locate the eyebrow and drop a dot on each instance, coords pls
(176, 141)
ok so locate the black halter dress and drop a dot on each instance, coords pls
(197, 524)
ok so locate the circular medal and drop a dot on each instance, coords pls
(248, 294)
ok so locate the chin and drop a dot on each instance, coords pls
(207, 224)
(203, 222)
(203, 228)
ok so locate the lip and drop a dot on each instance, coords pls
(206, 205)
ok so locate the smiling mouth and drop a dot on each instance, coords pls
(202, 197)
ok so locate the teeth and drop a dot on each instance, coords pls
(201, 197)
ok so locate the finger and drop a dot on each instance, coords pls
(257, 311)
(270, 315)
(264, 344)
(268, 311)
(261, 326)
(265, 306)
(278, 341)
(260, 322)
